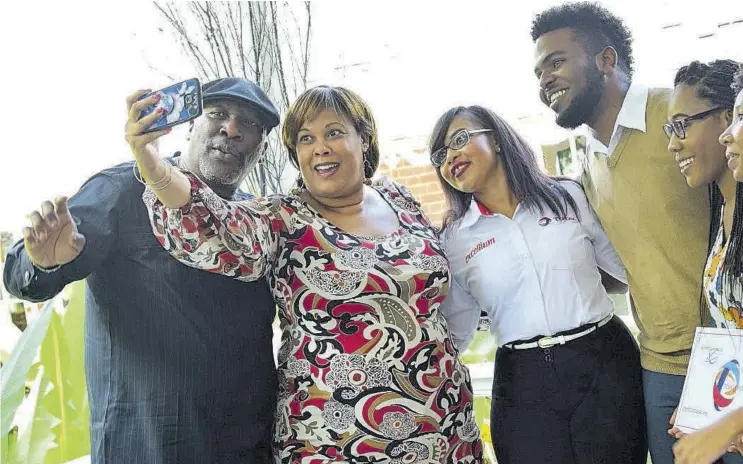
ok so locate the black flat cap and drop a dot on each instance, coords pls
(244, 91)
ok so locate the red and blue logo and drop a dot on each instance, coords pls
(726, 385)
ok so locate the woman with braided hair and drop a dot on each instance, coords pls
(732, 138)
(700, 109)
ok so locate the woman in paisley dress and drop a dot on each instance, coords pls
(367, 369)
(707, 151)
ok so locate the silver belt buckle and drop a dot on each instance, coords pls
(548, 342)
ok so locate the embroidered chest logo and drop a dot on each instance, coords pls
(478, 248)
(545, 221)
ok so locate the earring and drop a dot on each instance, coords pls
(367, 172)
(298, 187)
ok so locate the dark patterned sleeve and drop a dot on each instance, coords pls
(237, 239)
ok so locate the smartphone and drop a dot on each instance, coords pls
(181, 101)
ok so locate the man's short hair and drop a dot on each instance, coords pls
(595, 26)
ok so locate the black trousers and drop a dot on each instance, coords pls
(578, 403)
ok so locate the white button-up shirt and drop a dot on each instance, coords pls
(535, 274)
(631, 116)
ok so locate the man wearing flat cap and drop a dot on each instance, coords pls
(179, 362)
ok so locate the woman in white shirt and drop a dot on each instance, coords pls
(528, 250)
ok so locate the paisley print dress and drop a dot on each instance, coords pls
(367, 370)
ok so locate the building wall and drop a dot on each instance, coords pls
(422, 182)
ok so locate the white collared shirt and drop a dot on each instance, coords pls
(631, 115)
(535, 274)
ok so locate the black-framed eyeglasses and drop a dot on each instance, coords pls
(678, 126)
(458, 140)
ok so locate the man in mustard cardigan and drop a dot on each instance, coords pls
(659, 226)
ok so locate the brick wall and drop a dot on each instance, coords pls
(423, 183)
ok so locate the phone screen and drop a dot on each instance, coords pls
(181, 101)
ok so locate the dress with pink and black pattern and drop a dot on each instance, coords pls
(367, 370)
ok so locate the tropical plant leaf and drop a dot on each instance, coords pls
(35, 423)
(8, 445)
(482, 349)
(64, 401)
(14, 371)
(73, 322)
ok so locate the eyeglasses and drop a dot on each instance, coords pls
(458, 140)
(678, 126)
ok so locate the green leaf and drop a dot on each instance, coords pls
(8, 445)
(14, 371)
(482, 349)
(64, 401)
(35, 437)
(74, 323)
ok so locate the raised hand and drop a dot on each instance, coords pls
(52, 239)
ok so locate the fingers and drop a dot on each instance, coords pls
(49, 215)
(148, 120)
(134, 97)
(673, 416)
(46, 220)
(39, 225)
(60, 203)
(28, 236)
(140, 105)
(135, 126)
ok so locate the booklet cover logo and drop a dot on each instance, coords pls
(726, 385)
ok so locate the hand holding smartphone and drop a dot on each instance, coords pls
(180, 102)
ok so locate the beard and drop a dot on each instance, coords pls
(583, 104)
(230, 172)
(223, 174)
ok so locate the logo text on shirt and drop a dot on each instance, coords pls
(545, 221)
(478, 248)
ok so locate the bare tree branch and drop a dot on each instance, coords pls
(277, 47)
(306, 64)
(257, 46)
(265, 42)
(184, 39)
